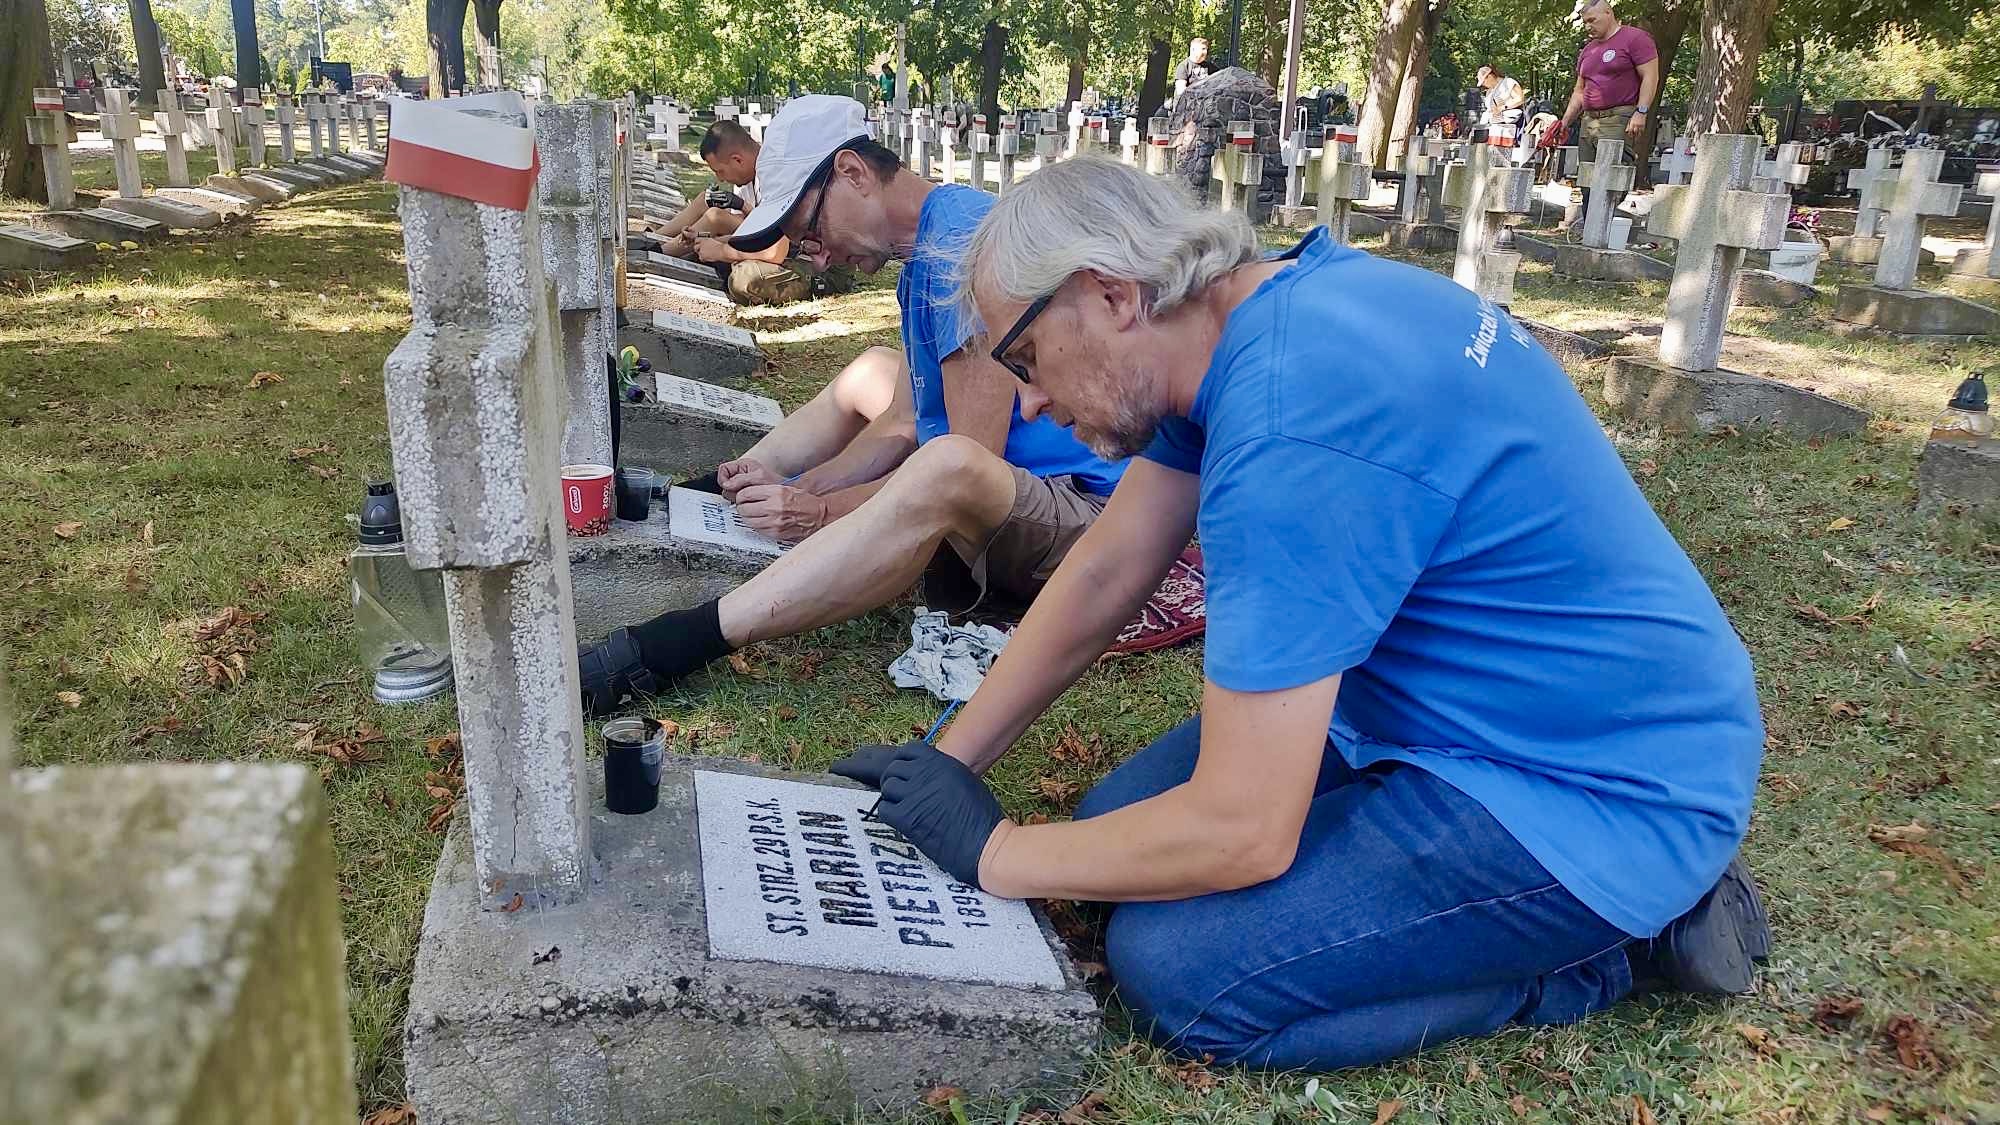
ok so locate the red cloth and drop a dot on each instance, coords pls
(1609, 67)
(1177, 611)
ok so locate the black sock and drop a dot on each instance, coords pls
(706, 483)
(679, 641)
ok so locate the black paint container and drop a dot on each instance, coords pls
(632, 752)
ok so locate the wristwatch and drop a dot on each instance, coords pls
(1639, 111)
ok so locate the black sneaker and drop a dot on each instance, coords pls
(1711, 950)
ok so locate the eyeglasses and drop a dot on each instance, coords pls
(809, 244)
(1027, 317)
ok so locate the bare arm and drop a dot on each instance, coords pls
(1649, 84)
(1110, 572)
(978, 397)
(1575, 106)
(1235, 823)
(717, 250)
(873, 454)
(695, 209)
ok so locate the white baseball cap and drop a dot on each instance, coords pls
(799, 146)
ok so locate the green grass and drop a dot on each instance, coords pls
(126, 403)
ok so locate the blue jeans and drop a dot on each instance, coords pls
(1409, 918)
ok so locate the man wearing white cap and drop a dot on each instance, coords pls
(909, 465)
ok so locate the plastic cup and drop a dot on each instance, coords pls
(586, 495)
(633, 749)
(635, 494)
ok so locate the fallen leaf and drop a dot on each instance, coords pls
(68, 530)
(1647, 467)
(146, 534)
(513, 904)
(1091, 970)
(1912, 1042)
(1897, 833)
(1642, 1114)
(1519, 1104)
(741, 664)
(231, 617)
(264, 378)
(1937, 857)
(1056, 789)
(938, 1097)
(1756, 1036)
(144, 734)
(1841, 524)
(1195, 1075)
(443, 746)
(405, 1114)
(1384, 1111)
(1071, 747)
(787, 713)
(323, 472)
(1835, 1012)
(1878, 1113)
(1842, 709)
(1472, 1071)
(306, 451)
(1083, 1111)
(70, 699)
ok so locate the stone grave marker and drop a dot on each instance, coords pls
(696, 349)
(120, 126)
(1159, 146)
(1009, 151)
(1296, 153)
(578, 143)
(1343, 179)
(48, 130)
(886, 909)
(1048, 139)
(702, 517)
(922, 136)
(371, 111)
(26, 248)
(1873, 180)
(1967, 476)
(1239, 168)
(171, 122)
(1790, 168)
(1893, 304)
(101, 224)
(315, 112)
(1128, 142)
(688, 428)
(1605, 179)
(288, 119)
(686, 272)
(1716, 219)
(1422, 223)
(253, 127)
(222, 126)
(1678, 163)
(1981, 265)
(1486, 192)
(949, 124)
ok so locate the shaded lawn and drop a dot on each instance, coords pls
(127, 406)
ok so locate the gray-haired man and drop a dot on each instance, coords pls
(1477, 745)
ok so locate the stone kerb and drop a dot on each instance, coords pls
(1716, 219)
(473, 393)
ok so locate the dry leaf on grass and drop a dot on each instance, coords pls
(144, 734)
(939, 1097)
(1907, 839)
(265, 379)
(1195, 1075)
(1835, 1012)
(1912, 1041)
(1385, 1111)
(70, 698)
(1084, 1111)
(1642, 1114)
(306, 451)
(1056, 789)
(1472, 1071)
(1878, 1113)
(405, 1114)
(323, 472)
(1757, 1037)
(1072, 748)
(741, 664)
(443, 746)
(228, 671)
(1897, 833)
(1843, 709)
(1647, 467)
(68, 530)
(231, 617)
(1841, 524)
(1519, 1104)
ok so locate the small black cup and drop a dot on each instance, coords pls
(632, 753)
(635, 494)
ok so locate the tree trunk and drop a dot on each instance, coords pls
(1153, 89)
(146, 43)
(26, 61)
(1079, 57)
(1418, 68)
(1272, 32)
(444, 26)
(1668, 25)
(249, 64)
(1400, 19)
(486, 17)
(1732, 38)
(992, 54)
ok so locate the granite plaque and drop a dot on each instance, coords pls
(703, 517)
(689, 326)
(707, 398)
(792, 873)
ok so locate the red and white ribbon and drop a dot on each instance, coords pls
(1346, 133)
(440, 146)
(48, 101)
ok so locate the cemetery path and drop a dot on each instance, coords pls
(184, 428)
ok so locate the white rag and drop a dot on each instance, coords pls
(949, 661)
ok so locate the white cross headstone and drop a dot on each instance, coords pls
(1872, 180)
(1296, 152)
(1010, 149)
(1238, 168)
(48, 130)
(288, 120)
(1678, 164)
(1915, 196)
(948, 126)
(477, 445)
(1077, 121)
(1790, 168)
(1985, 261)
(1600, 177)
(120, 126)
(577, 146)
(1343, 178)
(981, 143)
(1486, 187)
(1715, 220)
(1159, 146)
(1048, 139)
(170, 121)
(922, 135)
(370, 111)
(1419, 169)
(315, 111)
(1128, 141)
(253, 127)
(222, 126)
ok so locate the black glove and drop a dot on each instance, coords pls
(932, 799)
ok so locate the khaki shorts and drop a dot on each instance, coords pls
(763, 283)
(1050, 514)
(1602, 125)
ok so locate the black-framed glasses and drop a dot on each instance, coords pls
(1021, 324)
(809, 244)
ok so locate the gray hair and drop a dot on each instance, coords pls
(1090, 213)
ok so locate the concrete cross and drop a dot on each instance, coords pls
(947, 141)
(1343, 178)
(315, 111)
(1600, 177)
(48, 130)
(288, 121)
(1715, 220)
(1128, 141)
(253, 127)
(922, 135)
(577, 143)
(981, 144)
(1238, 167)
(170, 121)
(1296, 154)
(1159, 146)
(1678, 164)
(1420, 167)
(1871, 180)
(725, 111)
(1077, 123)
(1048, 140)
(1486, 193)
(370, 111)
(473, 397)
(120, 126)
(222, 126)
(1989, 186)
(1790, 168)
(1913, 197)
(1009, 151)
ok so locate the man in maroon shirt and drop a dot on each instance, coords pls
(1617, 74)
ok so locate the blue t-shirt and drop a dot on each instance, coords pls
(1399, 484)
(933, 330)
